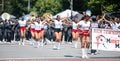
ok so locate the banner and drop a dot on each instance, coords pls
(105, 39)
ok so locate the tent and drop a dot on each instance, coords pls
(68, 12)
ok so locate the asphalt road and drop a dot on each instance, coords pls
(13, 51)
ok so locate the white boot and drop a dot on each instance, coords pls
(20, 42)
(33, 41)
(86, 56)
(55, 45)
(75, 45)
(58, 47)
(83, 53)
(23, 41)
(38, 44)
(41, 44)
(48, 41)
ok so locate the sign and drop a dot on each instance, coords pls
(105, 39)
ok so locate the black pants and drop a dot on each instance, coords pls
(1, 34)
(9, 37)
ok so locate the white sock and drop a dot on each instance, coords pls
(41, 42)
(86, 50)
(83, 51)
(58, 47)
(55, 45)
(76, 44)
(38, 44)
(23, 41)
(47, 40)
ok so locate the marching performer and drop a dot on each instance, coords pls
(38, 32)
(75, 31)
(42, 30)
(57, 32)
(85, 43)
(22, 24)
(75, 34)
(32, 30)
(94, 24)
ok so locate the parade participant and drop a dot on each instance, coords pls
(116, 24)
(22, 24)
(75, 31)
(37, 32)
(85, 43)
(32, 30)
(103, 23)
(28, 35)
(1, 30)
(42, 30)
(5, 30)
(17, 31)
(57, 32)
(93, 24)
(9, 31)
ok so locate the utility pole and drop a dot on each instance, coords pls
(28, 6)
(71, 6)
(2, 5)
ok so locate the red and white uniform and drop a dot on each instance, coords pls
(42, 25)
(22, 24)
(32, 27)
(37, 27)
(74, 27)
(85, 27)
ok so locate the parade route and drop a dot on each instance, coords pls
(67, 52)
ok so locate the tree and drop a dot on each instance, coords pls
(103, 6)
(47, 6)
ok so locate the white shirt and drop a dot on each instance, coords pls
(74, 25)
(32, 26)
(94, 24)
(84, 26)
(22, 23)
(117, 25)
(58, 24)
(37, 26)
(42, 24)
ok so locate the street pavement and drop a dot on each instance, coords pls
(14, 52)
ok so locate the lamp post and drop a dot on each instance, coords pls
(28, 6)
(71, 6)
(2, 5)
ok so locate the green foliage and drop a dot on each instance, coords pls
(102, 6)
(47, 6)
(20, 7)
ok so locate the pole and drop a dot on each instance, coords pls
(28, 6)
(71, 3)
(2, 5)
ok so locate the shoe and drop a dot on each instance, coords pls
(54, 47)
(37, 46)
(23, 43)
(86, 56)
(83, 56)
(19, 43)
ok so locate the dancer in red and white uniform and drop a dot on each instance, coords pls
(37, 32)
(42, 30)
(75, 31)
(32, 30)
(22, 24)
(85, 43)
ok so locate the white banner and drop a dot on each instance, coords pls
(105, 39)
